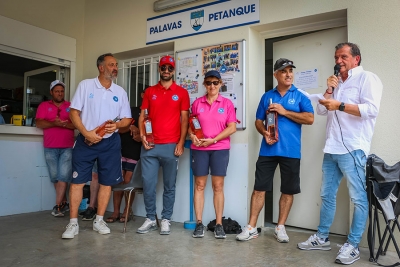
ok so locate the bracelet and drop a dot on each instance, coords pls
(328, 92)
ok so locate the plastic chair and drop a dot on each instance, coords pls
(135, 185)
(383, 191)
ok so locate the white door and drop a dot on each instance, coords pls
(37, 87)
(314, 52)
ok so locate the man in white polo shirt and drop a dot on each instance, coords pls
(96, 101)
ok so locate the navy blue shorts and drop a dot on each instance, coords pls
(108, 155)
(290, 174)
(214, 162)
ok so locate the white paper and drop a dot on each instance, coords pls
(307, 79)
(313, 97)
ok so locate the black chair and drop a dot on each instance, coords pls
(135, 185)
(383, 191)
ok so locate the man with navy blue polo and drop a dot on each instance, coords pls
(96, 101)
(293, 109)
(168, 107)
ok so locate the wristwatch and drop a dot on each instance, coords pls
(341, 107)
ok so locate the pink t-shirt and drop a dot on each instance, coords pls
(214, 119)
(55, 137)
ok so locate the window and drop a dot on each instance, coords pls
(137, 74)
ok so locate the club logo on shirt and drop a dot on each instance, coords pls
(74, 175)
(50, 109)
(115, 98)
(291, 101)
(91, 95)
(67, 109)
(202, 110)
(175, 97)
(221, 110)
(154, 97)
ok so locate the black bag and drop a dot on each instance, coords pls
(230, 226)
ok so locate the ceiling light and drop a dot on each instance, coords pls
(166, 4)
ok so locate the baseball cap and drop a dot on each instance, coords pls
(56, 82)
(282, 63)
(167, 60)
(212, 73)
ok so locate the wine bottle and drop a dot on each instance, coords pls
(195, 126)
(272, 123)
(148, 129)
(101, 131)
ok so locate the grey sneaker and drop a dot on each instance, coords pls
(147, 226)
(72, 231)
(199, 230)
(64, 207)
(57, 212)
(315, 243)
(280, 234)
(165, 227)
(347, 254)
(219, 232)
(89, 215)
(247, 233)
(101, 227)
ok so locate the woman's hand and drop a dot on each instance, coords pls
(207, 142)
(195, 140)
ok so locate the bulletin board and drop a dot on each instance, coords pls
(228, 59)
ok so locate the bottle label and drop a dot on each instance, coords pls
(196, 124)
(270, 119)
(148, 128)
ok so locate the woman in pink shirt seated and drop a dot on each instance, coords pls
(210, 155)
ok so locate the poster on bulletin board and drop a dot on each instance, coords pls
(228, 59)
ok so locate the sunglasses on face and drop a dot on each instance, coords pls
(208, 83)
(164, 68)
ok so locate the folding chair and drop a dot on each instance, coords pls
(135, 185)
(383, 191)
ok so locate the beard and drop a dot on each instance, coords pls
(167, 79)
(110, 75)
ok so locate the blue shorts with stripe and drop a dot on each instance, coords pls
(108, 155)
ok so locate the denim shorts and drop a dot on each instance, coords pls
(290, 174)
(214, 162)
(59, 164)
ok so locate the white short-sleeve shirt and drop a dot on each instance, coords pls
(98, 104)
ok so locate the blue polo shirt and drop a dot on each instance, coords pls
(289, 144)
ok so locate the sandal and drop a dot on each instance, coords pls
(112, 219)
(122, 219)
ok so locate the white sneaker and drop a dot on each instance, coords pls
(72, 231)
(315, 243)
(347, 254)
(165, 227)
(147, 226)
(101, 227)
(247, 233)
(280, 234)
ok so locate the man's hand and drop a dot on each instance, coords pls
(178, 149)
(110, 127)
(332, 82)
(135, 133)
(59, 123)
(145, 143)
(277, 108)
(92, 137)
(330, 104)
(268, 138)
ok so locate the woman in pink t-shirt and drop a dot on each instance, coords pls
(210, 155)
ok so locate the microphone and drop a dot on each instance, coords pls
(336, 72)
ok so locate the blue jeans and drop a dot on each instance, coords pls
(59, 164)
(352, 167)
(161, 155)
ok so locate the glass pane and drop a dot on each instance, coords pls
(132, 87)
(38, 90)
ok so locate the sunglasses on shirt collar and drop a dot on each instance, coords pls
(164, 68)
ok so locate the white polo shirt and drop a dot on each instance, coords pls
(364, 89)
(98, 104)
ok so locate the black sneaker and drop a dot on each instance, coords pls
(89, 215)
(199, 230)
(219, 232)
(64, 207)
